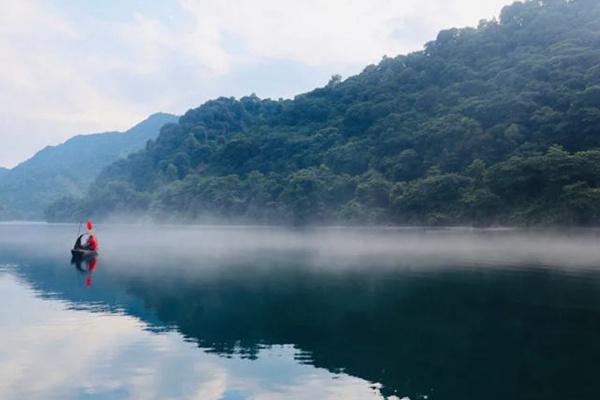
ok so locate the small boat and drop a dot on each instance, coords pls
(83, 253)
(79, 251)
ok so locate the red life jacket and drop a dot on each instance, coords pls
(92, 243)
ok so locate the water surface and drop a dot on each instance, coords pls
(267, 313)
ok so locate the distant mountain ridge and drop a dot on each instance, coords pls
(68, 169)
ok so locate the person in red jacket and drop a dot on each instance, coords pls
(91, 244)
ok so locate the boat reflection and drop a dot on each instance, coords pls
(86, 265)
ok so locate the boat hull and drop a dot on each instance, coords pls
(83, 253)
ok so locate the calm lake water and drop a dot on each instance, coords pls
(264, 313)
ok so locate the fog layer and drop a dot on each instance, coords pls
(189, 246)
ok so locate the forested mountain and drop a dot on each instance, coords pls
(69, 168)
(498, 124)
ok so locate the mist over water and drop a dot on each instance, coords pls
(268, 312)
(332, 247)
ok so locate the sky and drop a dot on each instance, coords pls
(72, 67)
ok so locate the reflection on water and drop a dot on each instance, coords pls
(62, 354)
(85, 265)
(240, 313)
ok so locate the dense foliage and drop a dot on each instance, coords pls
(494, 125)
(69, 168)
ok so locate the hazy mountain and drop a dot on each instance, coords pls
(498, 124)
(69, 168)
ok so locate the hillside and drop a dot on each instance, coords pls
(498, 124)
(69, 168)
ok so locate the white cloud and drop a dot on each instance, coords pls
(334, 32)
(47, 91)
(66, 71)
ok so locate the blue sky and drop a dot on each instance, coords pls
(71, 67)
